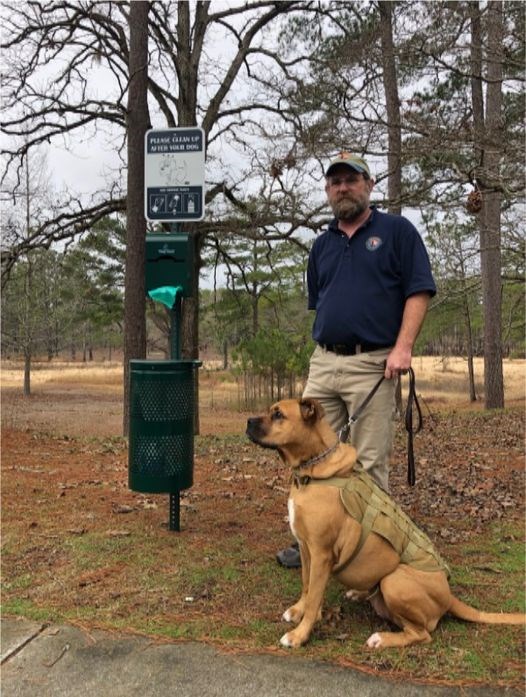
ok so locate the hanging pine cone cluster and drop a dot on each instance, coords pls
(277, 166)
(474, 202)
(276, 169)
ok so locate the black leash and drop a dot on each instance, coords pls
(412, 402)
(365, 402)
(352, 419)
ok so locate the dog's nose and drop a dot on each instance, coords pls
(253, 426)
(251, 423)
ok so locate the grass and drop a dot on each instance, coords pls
(262, 590)
(26, 608)
(495, 562)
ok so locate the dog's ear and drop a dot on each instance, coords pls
(311, 410)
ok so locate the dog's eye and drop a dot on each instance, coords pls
(276, 415)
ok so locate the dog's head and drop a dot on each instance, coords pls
(293, 427)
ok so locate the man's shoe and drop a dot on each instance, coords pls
(289, 558)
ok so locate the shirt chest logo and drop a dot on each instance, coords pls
(373, 243)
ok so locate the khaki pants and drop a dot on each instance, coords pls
(341, 384)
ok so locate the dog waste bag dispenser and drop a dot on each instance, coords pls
(162, 392)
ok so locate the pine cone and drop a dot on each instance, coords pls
(276, 169)
(474, 202)
(289, 160)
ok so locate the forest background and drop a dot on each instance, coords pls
(432, 94)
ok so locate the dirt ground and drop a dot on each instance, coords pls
(64, 485)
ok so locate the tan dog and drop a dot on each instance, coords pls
(405, 579)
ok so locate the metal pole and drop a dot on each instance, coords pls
(175, 354)
(175, 512)
(175, 329)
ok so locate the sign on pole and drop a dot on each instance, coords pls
(174, 174)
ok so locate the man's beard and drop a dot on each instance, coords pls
(349, 208)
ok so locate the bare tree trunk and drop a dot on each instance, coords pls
(492, 201)
(394, 134)
(28, 293)
(488, 140)
(254, 295)
(187, 80)
(190, 307)
(138, 122)
(471, 369)
(27, 373)
(469, 328)
(477, 94)
(392, 103)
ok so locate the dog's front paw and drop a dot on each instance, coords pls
(293, 614)
(290, 641)
(374, 641)
(356, 596)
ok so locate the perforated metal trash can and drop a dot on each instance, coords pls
(161, 434)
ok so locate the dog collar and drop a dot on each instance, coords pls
(318, 458)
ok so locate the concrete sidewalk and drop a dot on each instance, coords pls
(63, 661)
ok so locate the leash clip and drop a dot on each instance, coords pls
(300, 480)
(353, 418)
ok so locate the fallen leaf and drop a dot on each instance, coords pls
(122, 508)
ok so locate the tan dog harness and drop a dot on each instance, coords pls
(376, 512)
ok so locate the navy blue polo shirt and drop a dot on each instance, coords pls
(359, 286)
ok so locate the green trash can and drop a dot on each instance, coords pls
(161, 434)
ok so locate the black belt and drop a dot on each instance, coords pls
(352, 349)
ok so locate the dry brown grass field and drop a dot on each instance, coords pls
(86, 398)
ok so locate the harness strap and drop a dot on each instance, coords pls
(302, 480)
(366, 527)
(365, 521)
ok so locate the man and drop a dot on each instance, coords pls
(370, 282)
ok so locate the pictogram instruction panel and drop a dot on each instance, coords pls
(174, 174)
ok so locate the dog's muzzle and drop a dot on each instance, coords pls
(256, 431)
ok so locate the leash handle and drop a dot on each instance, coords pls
(412, 402)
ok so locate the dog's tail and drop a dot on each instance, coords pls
(465, 612)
